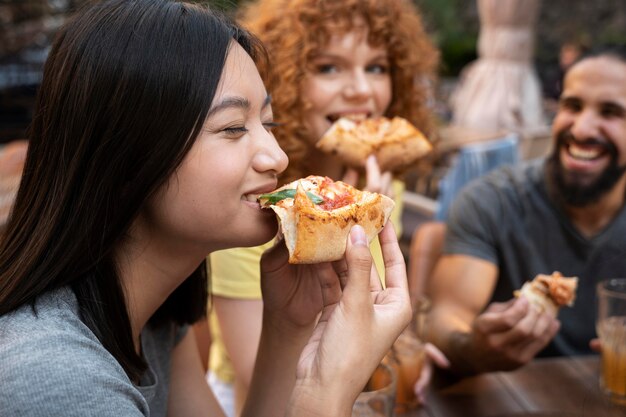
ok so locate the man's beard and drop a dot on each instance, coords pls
(571, 188)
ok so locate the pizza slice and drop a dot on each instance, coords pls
(316, 214)
(396, 143)
(550, 292)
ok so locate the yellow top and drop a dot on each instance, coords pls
(235, 273)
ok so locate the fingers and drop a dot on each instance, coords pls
(329, 284)
(373, 174)
(498, 307)
(341, 269)
(517, 333)
(494, 320)
(424, 379)
(377, 181)
(595, 345)
(275, 257)
(523, 330)
(375, 283)
(395, 268)
(538, 342)
(359, 262)
(436, 356)
(351, 177)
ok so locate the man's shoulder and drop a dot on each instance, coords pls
(522, 176)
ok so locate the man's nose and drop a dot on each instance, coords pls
(586, 125)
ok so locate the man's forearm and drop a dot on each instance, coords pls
(453, 337)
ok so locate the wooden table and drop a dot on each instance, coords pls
(555, 387)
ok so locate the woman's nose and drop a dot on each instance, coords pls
(270, 157)
(358, 85)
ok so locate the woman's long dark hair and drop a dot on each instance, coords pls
(126, 89)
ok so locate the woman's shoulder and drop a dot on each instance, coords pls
(52, 364)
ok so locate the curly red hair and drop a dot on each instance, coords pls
(294, 30)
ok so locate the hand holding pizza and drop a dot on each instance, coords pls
(291, 292)
(509, 335)
(356, 314)
(376, 181)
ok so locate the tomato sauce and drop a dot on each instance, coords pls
(336, 202)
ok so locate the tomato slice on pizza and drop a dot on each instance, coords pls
(316, 213)
(396, 143)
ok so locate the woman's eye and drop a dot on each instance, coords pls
(378, 69)
(235, 130)
(327, 69)
(269, 126)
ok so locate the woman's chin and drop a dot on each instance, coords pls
(265, 232)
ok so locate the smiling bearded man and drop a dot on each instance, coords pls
(563, 213)
(579, 189)
(587, 131)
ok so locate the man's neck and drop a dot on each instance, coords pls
(592, 219)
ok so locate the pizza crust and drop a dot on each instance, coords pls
(548, 293)
(396, 143)
(314, 235)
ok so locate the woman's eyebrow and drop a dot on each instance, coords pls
(267, 101)
(230, 102)
(238, 103)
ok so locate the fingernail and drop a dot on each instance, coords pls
(357, 235)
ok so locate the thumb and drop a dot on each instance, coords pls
(359, 261)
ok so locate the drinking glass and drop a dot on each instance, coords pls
(378, 396)
(611, 328)
(407, 356)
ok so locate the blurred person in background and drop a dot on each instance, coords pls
(563, 213)
(360, 58)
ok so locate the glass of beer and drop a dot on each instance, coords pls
(611, 328)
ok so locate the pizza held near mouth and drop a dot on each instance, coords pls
(316, 214)
(396, 143)
(550, 292)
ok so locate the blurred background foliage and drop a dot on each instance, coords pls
(28, 26)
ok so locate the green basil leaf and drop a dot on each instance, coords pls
(274, 198)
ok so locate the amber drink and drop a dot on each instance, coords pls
(611, 328)
(408, 353)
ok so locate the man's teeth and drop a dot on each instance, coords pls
(582, 153)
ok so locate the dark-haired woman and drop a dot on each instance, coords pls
(150, 143)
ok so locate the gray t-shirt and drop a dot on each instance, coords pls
(507, 218)
(51, 364)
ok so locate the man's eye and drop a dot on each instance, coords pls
(612, 111)
(571, 105)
